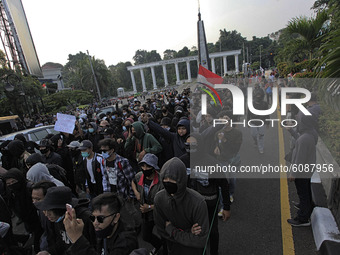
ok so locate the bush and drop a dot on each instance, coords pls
(329, 125)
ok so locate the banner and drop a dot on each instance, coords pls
(65, 123)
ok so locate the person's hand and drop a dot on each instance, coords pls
(129, 133)
(195, 229)
(44, 253)
(137, 194)
(217, 151)
(167, 223)
(141, 155)
(73, 226)
(120, 140)
(144, 208)
(226, 215)
(60, 142)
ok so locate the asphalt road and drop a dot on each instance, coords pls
(255, 226)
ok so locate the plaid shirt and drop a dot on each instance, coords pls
(125, 175)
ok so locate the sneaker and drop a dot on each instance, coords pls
(261, 151)
(220, 213)
(297, 223)
(231, 198)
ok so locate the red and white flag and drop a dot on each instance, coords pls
(207, 77)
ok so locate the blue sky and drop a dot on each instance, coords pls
(113, 30)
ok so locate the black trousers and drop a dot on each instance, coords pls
(148, 236)
(304, 192)
(214, 235)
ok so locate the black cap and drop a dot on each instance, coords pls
(57, 198)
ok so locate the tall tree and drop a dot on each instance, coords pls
(310, 31)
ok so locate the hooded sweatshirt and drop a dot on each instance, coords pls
(185, 208)
(145, 142)
(177, 140)
(304, 152)
(39, 172)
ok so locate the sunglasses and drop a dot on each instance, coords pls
(99, 218)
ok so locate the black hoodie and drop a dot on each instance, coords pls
(185, 208)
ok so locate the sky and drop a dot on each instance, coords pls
(114, 30)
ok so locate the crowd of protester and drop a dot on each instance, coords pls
(125, 173)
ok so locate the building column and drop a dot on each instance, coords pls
(225, 65)
(213, 65)
(133, 81)
(153, 77)
(166, 83)
(143, 79)
(236, 63)
(189, 71)
(178, 80)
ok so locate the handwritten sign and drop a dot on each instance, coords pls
(65, 123)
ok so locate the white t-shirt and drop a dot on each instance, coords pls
(89, 169)
(112, 174)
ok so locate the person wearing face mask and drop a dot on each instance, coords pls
(39, 191)
(54, 207)
(119, 139)
(145, 186)
(207, 184)
(18, 155)
(75, 157)
(19, 200)
(48, 155)
(127, 126)
(110, 229)
(140, 142)
(177, 138)
(91, 175)
(166, 113)
(120, 174)
(180, 213)
(93, 135)
(118, 169)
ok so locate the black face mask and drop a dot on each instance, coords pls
(164, 110)
(106, 231)
(147, 173)
(44, 151)
(170, 187)
(141, 111)
(15, 187)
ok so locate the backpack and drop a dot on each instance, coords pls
(59, 173)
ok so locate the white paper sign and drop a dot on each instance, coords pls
(65, 123)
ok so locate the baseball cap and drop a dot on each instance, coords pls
(74, 144)
(85, 145)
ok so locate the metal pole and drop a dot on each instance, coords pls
(95, 79)
(260, 55)
(221, 57)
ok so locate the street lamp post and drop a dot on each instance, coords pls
(260, 56)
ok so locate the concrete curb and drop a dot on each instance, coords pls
(325, 230)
